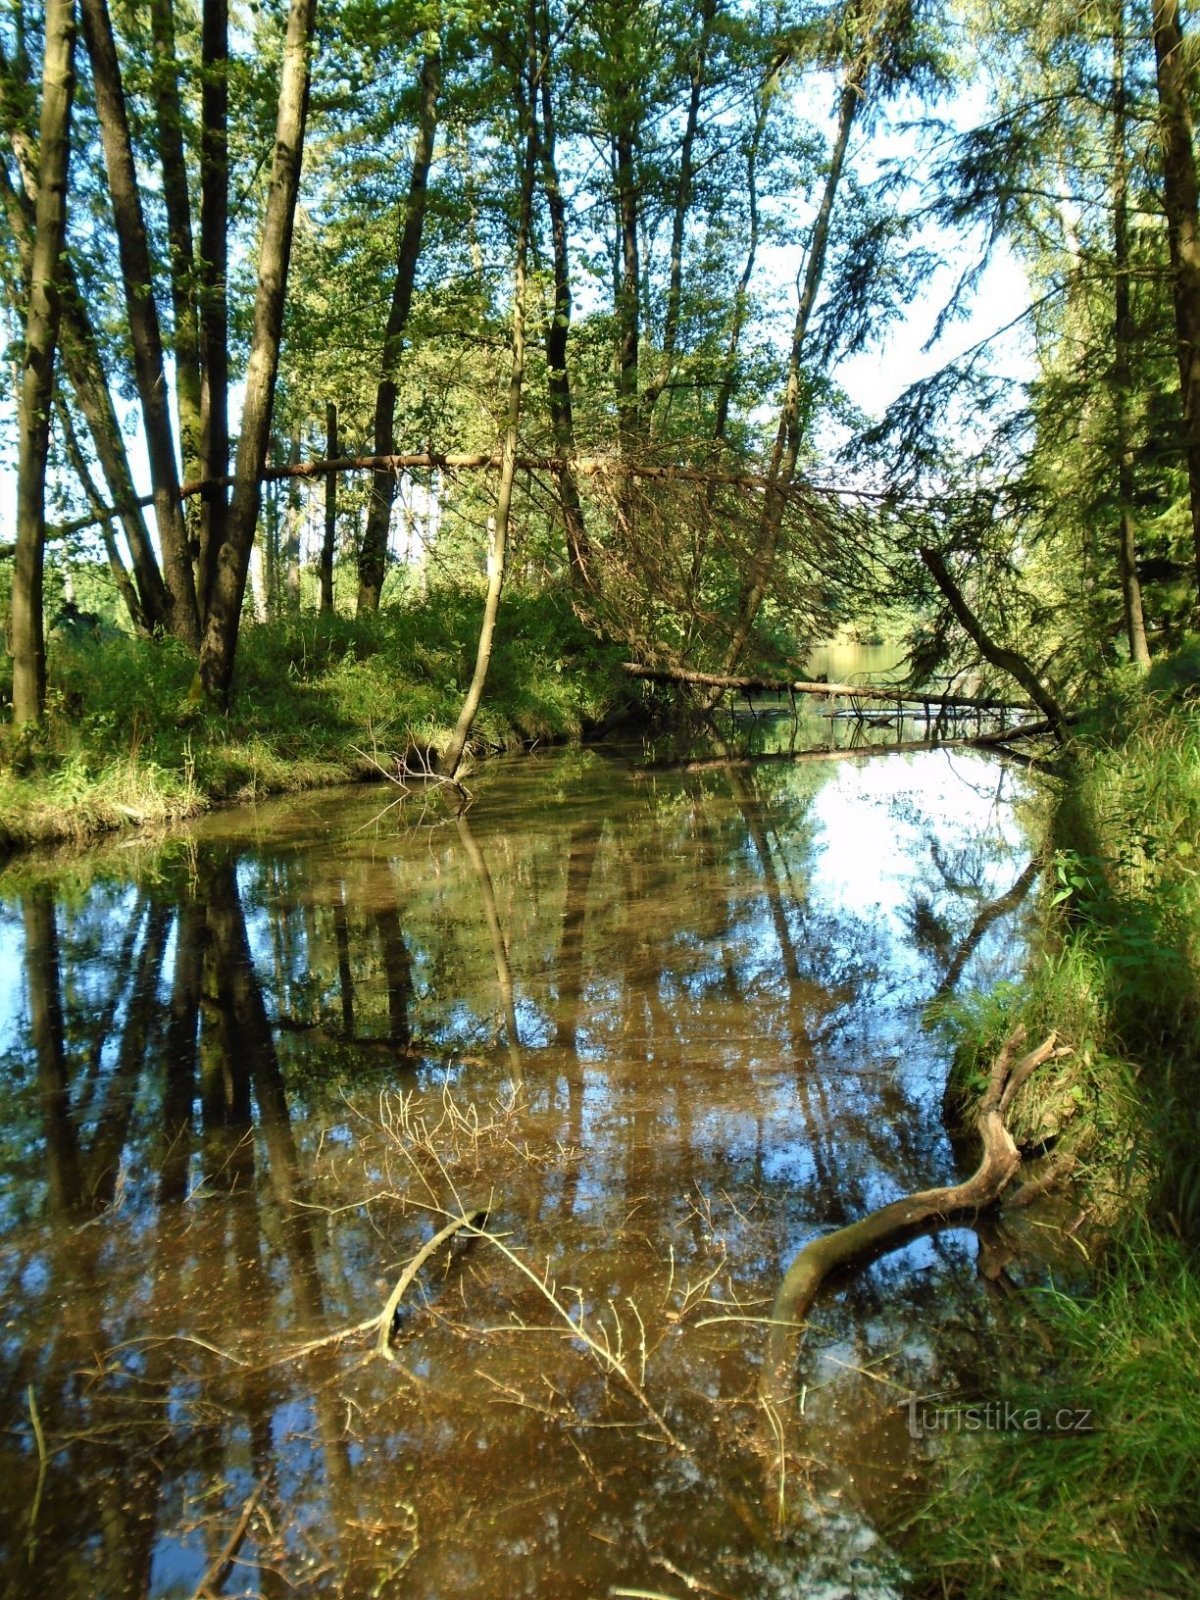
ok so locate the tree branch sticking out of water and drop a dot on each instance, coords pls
(892, 1224)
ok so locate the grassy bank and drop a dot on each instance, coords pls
(317, 700)
(1112, 1514)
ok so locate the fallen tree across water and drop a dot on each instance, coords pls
(849, 752)
(894, 694)
(894, 1224)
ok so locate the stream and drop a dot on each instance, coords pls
(662, 1021)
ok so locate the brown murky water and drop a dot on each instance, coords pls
(663, 1024)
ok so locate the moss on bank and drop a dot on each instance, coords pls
(1113, 1513)
(318, 700)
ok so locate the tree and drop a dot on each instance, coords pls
(219, 644)
(27, 639)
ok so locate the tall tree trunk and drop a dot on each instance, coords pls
(1183, 232)
(452, 756)
(219, 645)
(629, 295)
(558, 377)
(683, 200)
(372, 560)
(186, 349)
(142, 311)
(27, 628)
(214, 307)
(79, 350)
(330, 539)
(788, 434)
(1131, 589)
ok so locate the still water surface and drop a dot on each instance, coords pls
(664, 1024)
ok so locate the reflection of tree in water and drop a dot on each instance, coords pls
(685, 1015)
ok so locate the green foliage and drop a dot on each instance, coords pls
(1102, 1515)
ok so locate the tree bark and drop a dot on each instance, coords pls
(214, 307)
(1006, 660)
(372, 560)
(169, 131)
(27, 627)
(558, 376)
(330, 539)
(1131, 589)
(452, 756)
(219, 645)
(145, 333)
(1183, 233)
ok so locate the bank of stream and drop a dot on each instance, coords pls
(663, 1025)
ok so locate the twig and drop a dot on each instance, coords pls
(40, 1437)
(467, 1219)
(219, 1570)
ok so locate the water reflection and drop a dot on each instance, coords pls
(664, 1024)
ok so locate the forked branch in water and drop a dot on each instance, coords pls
(892, 1224)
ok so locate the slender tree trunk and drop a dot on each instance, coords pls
(683, 200)
(558, 377)
(788, 435)
(219, 645)
(452, 757)
(214, 307)
(295, 525)
(186, 346)
(741, 300)
(372, 560)
(137, 273)
(120, 575)
(1131, 589)
(1183, 231)
(330, 540)
(27, 630)
(629, 297)
(81, 360)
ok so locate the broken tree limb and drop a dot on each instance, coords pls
(468, 1219)
(892, 693)
(892, 1224)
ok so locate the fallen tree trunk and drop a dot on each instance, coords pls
(892, 1224)
(894, 694)
(850, 752)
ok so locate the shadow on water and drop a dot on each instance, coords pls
(665, 1025)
